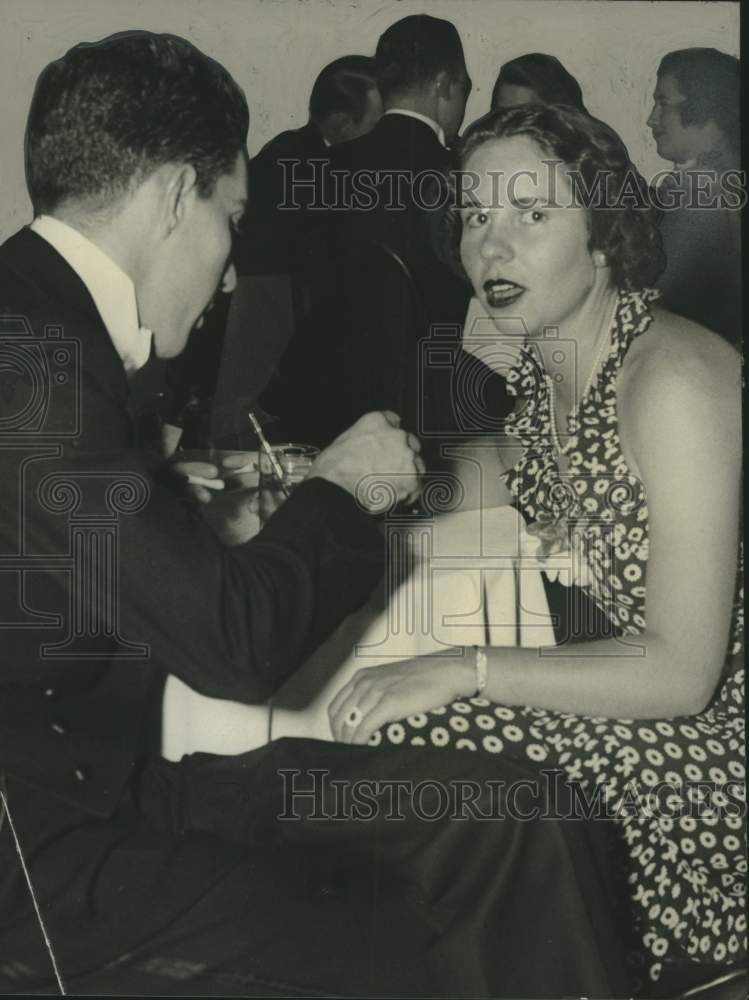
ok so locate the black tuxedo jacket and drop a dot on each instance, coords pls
(107, 582)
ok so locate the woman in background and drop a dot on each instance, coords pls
(633, 469)
(535, 78)
(696, 125)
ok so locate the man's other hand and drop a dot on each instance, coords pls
(374, 454)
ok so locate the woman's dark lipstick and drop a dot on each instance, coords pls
(501, 293)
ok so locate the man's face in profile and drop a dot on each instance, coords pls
(455, 105)
(193, 262)
(675, 142)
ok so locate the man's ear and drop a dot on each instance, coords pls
(179, 191)
(443, 85)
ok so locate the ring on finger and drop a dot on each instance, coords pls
(354, 717)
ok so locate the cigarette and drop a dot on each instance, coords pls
(211, 484)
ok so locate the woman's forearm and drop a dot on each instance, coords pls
(639, 677)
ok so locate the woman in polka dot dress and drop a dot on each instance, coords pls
(640, 493)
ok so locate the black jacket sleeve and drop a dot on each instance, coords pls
(235, 622)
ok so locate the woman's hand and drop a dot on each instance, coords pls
(392, 691)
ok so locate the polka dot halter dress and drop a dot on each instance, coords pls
(674, 788)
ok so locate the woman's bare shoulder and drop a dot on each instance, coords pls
(677, 355)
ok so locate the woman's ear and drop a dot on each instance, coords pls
(599, 259)
(179, 190)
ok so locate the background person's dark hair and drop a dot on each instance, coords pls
(105, 115)
(709, 80)
(542, 74)
(342, 85)
(411, 52)
(627, 233)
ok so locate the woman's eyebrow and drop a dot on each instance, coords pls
(524, 203)
(469, 200)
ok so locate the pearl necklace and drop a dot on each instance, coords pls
(605, 340)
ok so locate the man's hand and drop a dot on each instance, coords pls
(227, 492)
(199, 479)
(373, 453)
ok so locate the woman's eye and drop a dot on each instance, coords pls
(475, 219)
(531, 217)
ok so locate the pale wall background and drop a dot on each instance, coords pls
(275, 48)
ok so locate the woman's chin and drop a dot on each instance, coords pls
(513, 327)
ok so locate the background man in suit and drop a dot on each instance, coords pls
(344, 103)
(395, 290)
(282, 251)
(153, 877)
(695, 123)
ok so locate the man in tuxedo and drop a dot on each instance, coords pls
(121, 872)
(406, 294)
(696, 126)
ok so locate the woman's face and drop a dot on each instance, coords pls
(524, 245)
(511, 95)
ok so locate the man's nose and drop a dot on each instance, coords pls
(652, 118)
(229, 280)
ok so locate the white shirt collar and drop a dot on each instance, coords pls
(111, 289)
(437, 129)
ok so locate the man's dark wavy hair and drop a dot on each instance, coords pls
(622, 222)
(107, 114)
